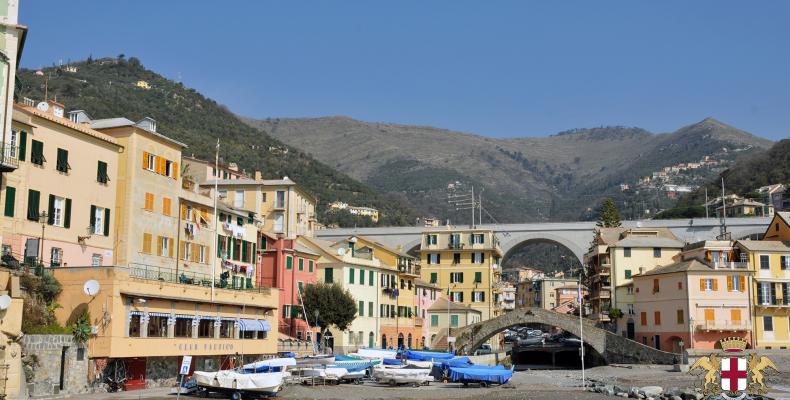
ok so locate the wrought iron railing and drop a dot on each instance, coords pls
(162, 274)
(10, 156)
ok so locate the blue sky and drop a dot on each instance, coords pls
(496, 68)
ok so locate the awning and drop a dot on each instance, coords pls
(254, 325)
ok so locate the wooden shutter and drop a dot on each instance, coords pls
(145, 160)
(715, 284)
(657, 317)
(702, 284)
(742, 283)
(92, 218)
(184, 211)
(729, 283)
(149, 201)
(67, 214)
(204, 214)
(147, 243)
(106, 222)
(33, 200)
(51, 210)
(22, 145)
(159, 245)
(170, 247)
(643, 318)
(710, 314)
(181, 250)
(10, 201)
(735, 315)
(175, 170)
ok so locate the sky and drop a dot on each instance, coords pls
(495, 68)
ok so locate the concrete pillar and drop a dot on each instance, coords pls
(171, 330)
(216, 330)
(195, 330)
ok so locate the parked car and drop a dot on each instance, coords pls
(484, 349)
(530, 341)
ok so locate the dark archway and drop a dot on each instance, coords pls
(540, 253)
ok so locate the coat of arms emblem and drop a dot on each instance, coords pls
(733, 375)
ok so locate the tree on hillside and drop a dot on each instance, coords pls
(335, 306)
(609, 216)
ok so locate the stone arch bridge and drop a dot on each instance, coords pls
(611, 347)
(576, 236)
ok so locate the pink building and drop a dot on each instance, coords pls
(287, 265)
(426, 295)
(693, 301)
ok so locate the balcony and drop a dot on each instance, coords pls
(731, 265)
(418, 321)
(10, 160)
(152, 273)
(601, 316)
(774, 302)
(602, 294)
(722, 325)
(455, 246)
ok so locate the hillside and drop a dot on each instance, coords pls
(560, 177)
(749, 174)
(107, 88)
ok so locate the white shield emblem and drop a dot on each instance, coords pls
(734, 374)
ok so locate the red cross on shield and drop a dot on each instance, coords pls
(733, 374)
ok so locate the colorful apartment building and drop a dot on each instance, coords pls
(699, 299)
(427, 294)
(12, 39)
(463, 263)
(444, 317)
(59, 204)
(290, 266)
(616, 255)
(769, 260)
(199, 171)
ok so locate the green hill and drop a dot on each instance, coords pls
(107, 88)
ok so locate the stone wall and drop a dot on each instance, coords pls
(49, 359)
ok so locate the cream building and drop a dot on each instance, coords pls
(12, 39)
(63, 189)
(444, 317)
(616, 255)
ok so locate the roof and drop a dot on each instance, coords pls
(422, 283)
(630, 237)
(118, 122)
(648, 242)
(304, 249)
(377, 243)
(742, 202)
(442, 303)
(765, 245)
(82, 128)
(680, 266)
(323, 245)
(224, 207)
(785, 216)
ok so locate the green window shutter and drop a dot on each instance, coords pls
(10, 200)
(370, 309)
(351, 275)
(245, 251)
(301, 264)
(254, 253)
(67, 216)
(249, 283)
(285, 311)
(370, 278)
(628, 274)
(92, 217)
(434, 320)
(22, 145)
(478, 277)
(37, 152)
(233, 284)
(289, 262)
(62, 164)
(310, 266)
(361, 277)
(328, 272)
(454, 320)
(460, 277)
(434, 277)
(101, 173)
(106, 222)
(51, 210)
(219, 246)
(361, 308)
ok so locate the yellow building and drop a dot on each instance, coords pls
(13, 377)
(616, 255)
(465, 264)
(63, 189)
(769, 261)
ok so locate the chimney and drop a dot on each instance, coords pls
(258, 176)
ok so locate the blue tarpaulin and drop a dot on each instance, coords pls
(459, 362)
(392, 361)
(480, 373)
(427, 355)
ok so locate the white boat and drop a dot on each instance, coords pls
(421, 364)
(270, 365)
(375, 354)
(409, 374)
(233, 381)
(321, 359)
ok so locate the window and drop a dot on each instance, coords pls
(434, 258)
(765, 262)
(478, 297)
(13, 142)
(351, 275)
(33, 198)
(456, 258)
(362, 277)
(278, 223)
(238, 199)
(431, 239)
(709, 284)
(279, 200)
(57, 210)
(768, 323)
(434, 277)
(134, 325)
(328, 275)
(478, 238)
(10, 200)
(62, 163)
(149, 201)
(457, 296)
(710, 314)
(361, 309)
(735, 315)
(478, 258)
(454, 320)
(680, 285)
(147, 243)
(370, 309)
(456, 277)
(222, 193)
(735, 283)
(165, 246)
(56, 257)
(301, 264)
(629, 290)
(149, 161)
(478, 277)
(656, 252)
(206, 328)
(643, 318)
(657, 317)
(170, 168)
(37, 152)
(96, 260)
(626, 252)
(766, 291)
(157, 326)
(310, 264)
(289, 262)
(100, 220)
(630, 309)
(183, 327)
(371, 276)
(628, 274)
(680, 318)
(784, 262)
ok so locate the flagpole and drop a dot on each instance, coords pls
(216, 220)
(581, 322)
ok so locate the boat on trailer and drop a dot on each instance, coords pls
(408, 374)
(239, 384)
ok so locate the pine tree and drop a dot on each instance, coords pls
(609, 216)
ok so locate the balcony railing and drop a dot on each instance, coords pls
(418, 321)
(723, 325)
(455, 246)
(10, 157)
(731, 265)
(152, 273)
(774, 302)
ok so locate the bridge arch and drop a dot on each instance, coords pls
(514, 242)
(612, 348)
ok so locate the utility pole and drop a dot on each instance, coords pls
(706, 202)
(723, 211)
(464, 201)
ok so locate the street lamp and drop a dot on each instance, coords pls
(315, 339)
(43, 218)
(682, 353)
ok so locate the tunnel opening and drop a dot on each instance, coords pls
(541, 346)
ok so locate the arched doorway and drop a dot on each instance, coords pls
(630, 328)
(422, 343)
(383, 341)
(400, 340)
(409, 341)
(433, 338)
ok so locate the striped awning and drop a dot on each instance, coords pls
(254, 325)
(158, 314)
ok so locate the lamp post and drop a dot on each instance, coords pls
(682, 353)
(43, 217)
(315, 339)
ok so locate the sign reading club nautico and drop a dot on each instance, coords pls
(733, 375)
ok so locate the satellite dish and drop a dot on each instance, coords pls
(43, 106)
(5, 302)
(341, 251)
(91, 287)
